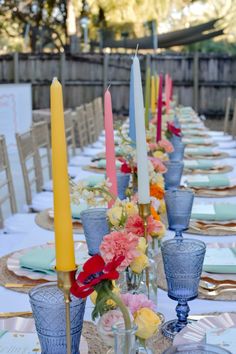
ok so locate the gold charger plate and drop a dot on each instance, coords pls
(223, 169)
(207, 157)
(214, 193)
(94, 169)
(161, 282)
(43, 220)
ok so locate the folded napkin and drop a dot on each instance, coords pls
(118, 151)
(77, 209)
(208, 181)
(197, 141)
(220, 260)
(214, 212)
(93, 180)
(102, 163)
(201, 151)
(39, 260)
(199, 164)
(193, 133)
(225, 338)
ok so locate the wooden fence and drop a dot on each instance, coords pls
(202, 81)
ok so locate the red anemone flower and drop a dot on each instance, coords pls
(171, 127)
(94, 271)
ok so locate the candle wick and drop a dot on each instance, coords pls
(136, 50)
(54, 79)
(108, 87)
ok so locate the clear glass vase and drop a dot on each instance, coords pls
(134, 282)
(144, 346)
(124, 341)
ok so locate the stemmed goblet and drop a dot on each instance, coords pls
(173, 175)
(178, 207)
(178, 153)
(183, 260)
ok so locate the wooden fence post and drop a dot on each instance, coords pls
(196, 81)
(16, 67)
(105, 71)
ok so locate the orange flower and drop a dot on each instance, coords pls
(156, 191)
(154, 214)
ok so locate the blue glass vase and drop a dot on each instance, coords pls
(179, 208)
(95, 226)
(173, 175)
(48, 306)
(183, 260)
(178, 153)
(122, 184)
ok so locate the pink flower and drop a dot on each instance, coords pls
(166, 145)
(158, 165)
(153, 121)
(153, 146)
(134, 224)
(136, 302)
(120, 243)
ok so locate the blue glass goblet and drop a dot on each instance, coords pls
(122, 184)
(178, 153)
(179, 208)
(173, 175)
(183, 260)
(95, 226)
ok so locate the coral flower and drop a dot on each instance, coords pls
(136, 302)
(154, 214)
(156, 191)
(120, 243)
(135, 225)
(158, 165)
(166, 145)
(94, 271)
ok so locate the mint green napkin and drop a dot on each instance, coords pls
(2, 332)
(218, 180)
(220, 260)
(192, 132)
(223, 212)
(93, 180)
(199, 151)
(76, 210)
(118, 151)
(195, 140)
(102, 164)
(39, 260)
(199, 165)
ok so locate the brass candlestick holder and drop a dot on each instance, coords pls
(65, 280)
(145, 212)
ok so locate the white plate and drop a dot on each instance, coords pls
(26, 325)
(13, 262)
(196, 331)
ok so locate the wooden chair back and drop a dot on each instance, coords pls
(98, 111)
(233, 131)
(7, 192)
(81, 127)
(227, 113)
(70, 133)
(90, 123)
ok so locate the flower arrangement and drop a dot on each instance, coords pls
(172, 130)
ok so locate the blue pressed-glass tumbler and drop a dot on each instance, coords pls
(122, 184)
(178, 153)
(48, 306)
(174, 173)
(179, 208)
(183, 260)
(95, 227)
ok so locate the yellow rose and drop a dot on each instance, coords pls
(160, 155)
(147, 322)
(114, 215)
(131, 209)
(110, 303)
(162, 207)
(139, 263)
(142, 245)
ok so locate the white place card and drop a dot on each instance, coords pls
(197, 179)
(19, 343)
(224, 338)
(206, 209)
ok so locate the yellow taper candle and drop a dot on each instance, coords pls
(157, 88)
(153, 95)
(65, 255)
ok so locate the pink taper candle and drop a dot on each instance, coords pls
(159, 110)
(167, 92)
(110, 145)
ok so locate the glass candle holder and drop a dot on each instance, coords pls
(95, 226)
(173, 175)
(179, 208)
(48, 306)
(122, 184)
(183, 260)
(178, 153)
